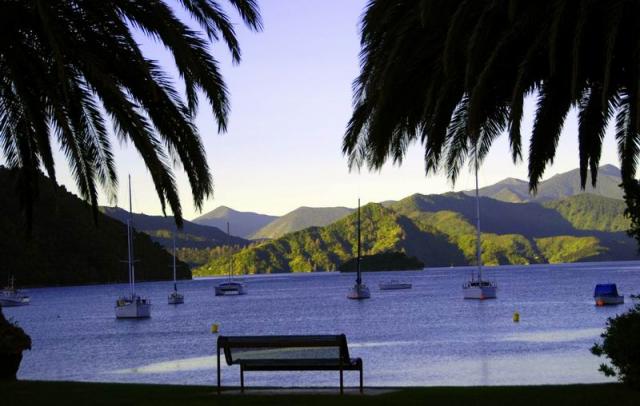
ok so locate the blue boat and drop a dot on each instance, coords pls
(607, 294)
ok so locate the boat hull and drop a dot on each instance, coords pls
(175, 298)
(480, 292)
(359, 292)
(230, 289)
(126, 309)
(14, 302)
(609, 300)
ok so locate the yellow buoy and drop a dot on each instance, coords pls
(516, 317)
(214, 328)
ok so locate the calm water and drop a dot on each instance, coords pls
(427, 335)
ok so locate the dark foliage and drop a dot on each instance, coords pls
(66, 246)
(620, 346)
(453, 75)
(67, 67)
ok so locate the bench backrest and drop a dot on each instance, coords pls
(245, 348)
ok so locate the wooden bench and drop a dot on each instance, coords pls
(288, 353)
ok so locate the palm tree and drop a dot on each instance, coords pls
(453, 76)
(68, 67)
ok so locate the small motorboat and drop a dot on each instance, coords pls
(607, 294)
(394, 285)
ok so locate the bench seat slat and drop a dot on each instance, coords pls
(300, 365)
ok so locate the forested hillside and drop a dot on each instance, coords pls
(439, 230)
(66, 247)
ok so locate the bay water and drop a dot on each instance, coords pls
(424, 336)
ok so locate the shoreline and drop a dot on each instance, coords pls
(67, 392)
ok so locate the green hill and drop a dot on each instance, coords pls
(66, 247)
(591, 212)
(161, 230)
(301, 218)
(243, 224)
(439, 230)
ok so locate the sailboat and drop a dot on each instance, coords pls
(230, 287)
(359, 290)
(478, 288)
(175, 297)
(10, 296)
(132, 306)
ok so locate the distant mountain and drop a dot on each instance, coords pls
(300, 219)
(557, 187)
(242, 224)
(66, 247)
(439, 230)
(161, 229)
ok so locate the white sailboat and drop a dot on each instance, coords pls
(479, 288)
(230, 287)
(359, 290)
(175, 297)
(132, 306)
(12, 297)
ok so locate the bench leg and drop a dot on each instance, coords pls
(341, 382)
(241, 379)
(361, 380)
(219, 386)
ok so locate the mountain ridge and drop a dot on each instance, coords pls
(558, 186)
(242, 224)
(301, 218)
(161, 229)
(439, 230)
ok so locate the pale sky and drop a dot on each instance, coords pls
(290, 102)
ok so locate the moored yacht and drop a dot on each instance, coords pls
(359, 290)
(479, 288)
(12, 297)
(175, 297)
(230, 287)
(132, 306)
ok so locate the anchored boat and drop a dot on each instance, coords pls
(132, 306)
(479, 288)
(359, 290)
(175, 297)
(230, 287)
(12, 297)
(607, 294)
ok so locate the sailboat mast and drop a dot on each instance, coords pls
(230, 257)
(175, 287)
(132, 271)
(358, 278)
(478, 242)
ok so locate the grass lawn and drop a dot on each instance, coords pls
(76, 393)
